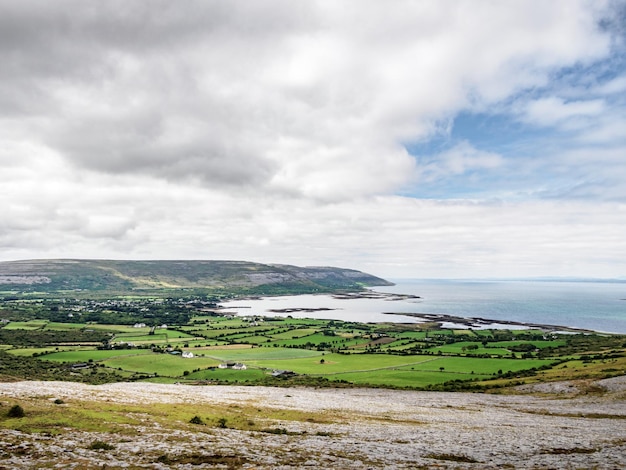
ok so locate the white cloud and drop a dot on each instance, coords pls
(281, 98)
(616, 85)
(463, 158)
(554, 111)
(419, 238)
(277, 131)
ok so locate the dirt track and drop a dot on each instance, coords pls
(385, 429)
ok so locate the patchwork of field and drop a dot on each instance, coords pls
(218, 349)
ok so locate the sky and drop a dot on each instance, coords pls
(421, 139)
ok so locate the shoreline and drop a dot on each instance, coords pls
(486, 323)
(443, 319)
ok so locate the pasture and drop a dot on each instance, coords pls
(94, 355)
(413, 356)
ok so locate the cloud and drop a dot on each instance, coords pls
(462, 159)
(554, 111)
(315, 101)
(390, 236)
(282, 132)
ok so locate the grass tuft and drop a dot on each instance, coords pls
(573, 450)
(101, 445)
(451, 458)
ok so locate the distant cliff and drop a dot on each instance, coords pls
(62, 275)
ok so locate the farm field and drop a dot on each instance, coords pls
(220, 348)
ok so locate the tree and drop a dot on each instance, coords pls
(196, 420)
(16, 411)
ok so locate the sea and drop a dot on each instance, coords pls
(589, 305)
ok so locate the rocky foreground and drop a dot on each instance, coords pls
(570, 425)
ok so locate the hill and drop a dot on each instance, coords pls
(106, 276)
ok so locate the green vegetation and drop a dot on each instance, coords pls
(196, 420)
(100, 445)
(16, 411)
(187, 339)
(115, 419)
(451, 458)
(106, 278)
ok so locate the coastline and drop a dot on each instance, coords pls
(444, 320)
(486, 323)
(589, 305)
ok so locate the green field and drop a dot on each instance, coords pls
(31, 351)
(318, 352)
(340, 363)
(228, 375)
(256, 354)
(64, 326)
(85, 355)
(161, 364)
(26, 325)
(539, 344)
(461, 348)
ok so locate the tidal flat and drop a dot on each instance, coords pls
(576, 424)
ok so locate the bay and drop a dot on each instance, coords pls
(592, 305)
(598, 306)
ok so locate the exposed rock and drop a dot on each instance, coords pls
(365, 428)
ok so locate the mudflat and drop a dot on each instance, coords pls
(559, 425)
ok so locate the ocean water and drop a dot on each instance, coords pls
(599, 306)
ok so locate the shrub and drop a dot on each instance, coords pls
(16, 411)
(100, 445)
(451, 457)
(196, 420)
(275, 431)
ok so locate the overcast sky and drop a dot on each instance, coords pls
(404, 138)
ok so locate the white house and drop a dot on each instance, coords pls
(232, 365)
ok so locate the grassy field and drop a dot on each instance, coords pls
(86, 355)
(258, 354)
(417, 356)
(27, 325)
(229, 375)
(461, 348)
(539, 344)
(161, 364)
(64, 326)
(32, 351)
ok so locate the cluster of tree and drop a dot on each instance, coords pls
(50, 337)
(151, 318)
(169, 311)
